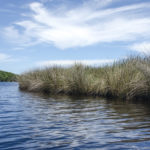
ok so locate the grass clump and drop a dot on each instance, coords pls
(126, 79)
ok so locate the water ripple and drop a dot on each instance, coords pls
(39, 122)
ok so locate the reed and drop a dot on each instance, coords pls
(125, 79)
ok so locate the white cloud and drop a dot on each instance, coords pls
(81, 26)
(96, 3)
(72, 62)
(4, 57)
(143, 47)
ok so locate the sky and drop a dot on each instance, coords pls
(37, 33)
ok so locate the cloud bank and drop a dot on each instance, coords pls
(143, 47)
(86, 24)
(72, 62)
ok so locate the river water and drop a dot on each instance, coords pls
(34, 122)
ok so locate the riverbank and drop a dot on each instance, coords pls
(125, 79)
(7, 76)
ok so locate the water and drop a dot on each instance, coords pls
(33, 122)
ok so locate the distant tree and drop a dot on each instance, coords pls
(7, 76)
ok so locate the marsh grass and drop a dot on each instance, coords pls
(125, 79)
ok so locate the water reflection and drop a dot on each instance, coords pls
(33, 121)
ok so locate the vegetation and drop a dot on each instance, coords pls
(126, 79)
(7, 76)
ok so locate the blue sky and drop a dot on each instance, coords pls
(35, 33)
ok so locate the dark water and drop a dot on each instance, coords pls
(34, 122)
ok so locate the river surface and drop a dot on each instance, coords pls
(34, 122)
